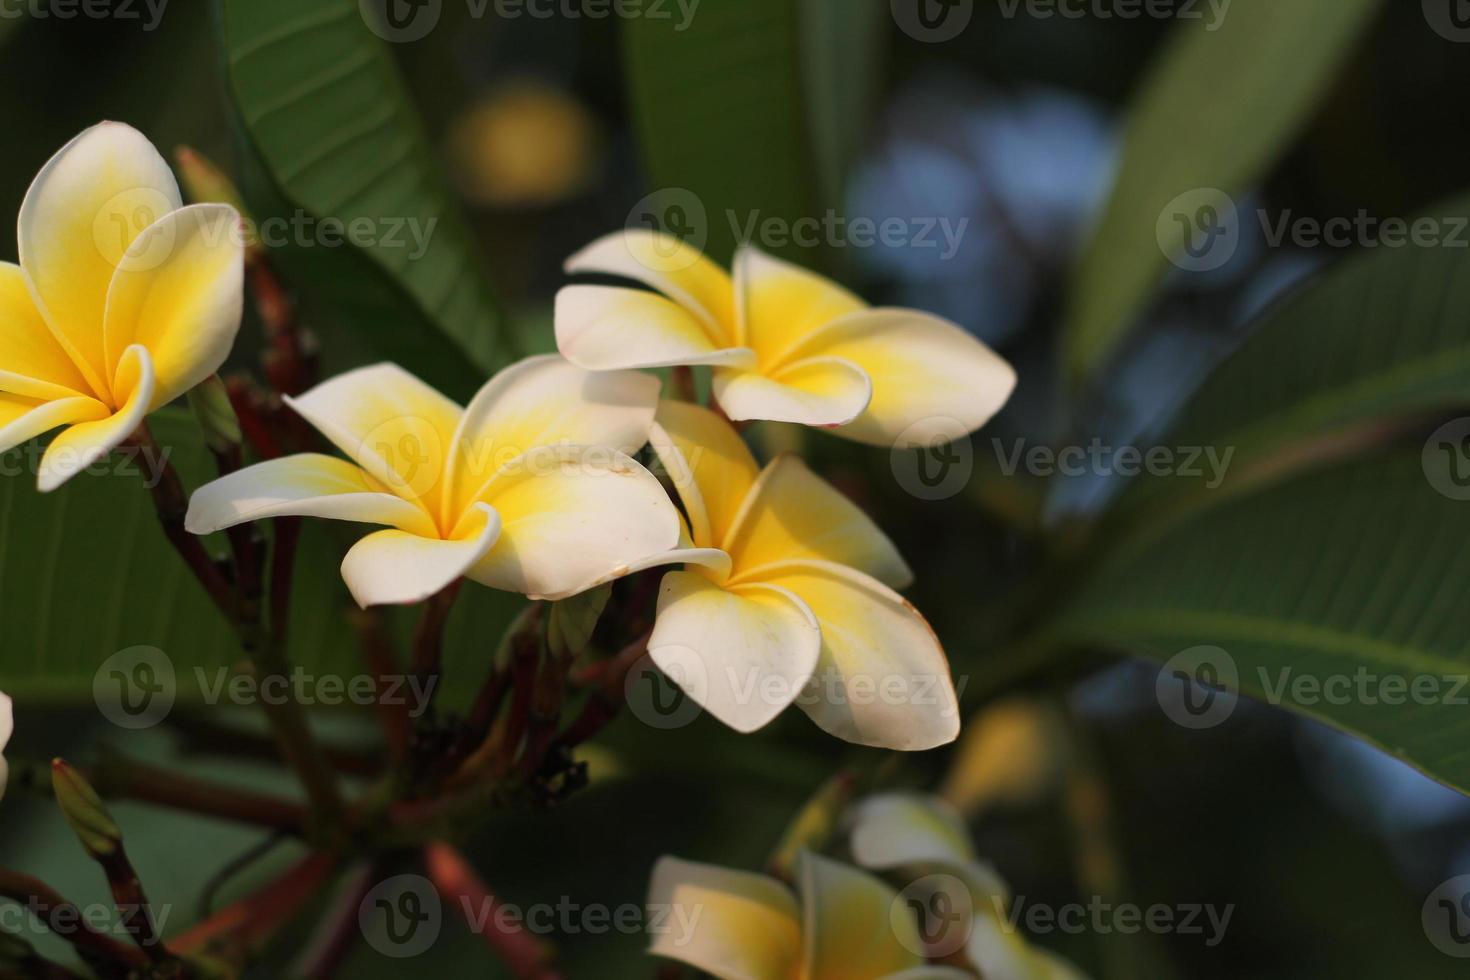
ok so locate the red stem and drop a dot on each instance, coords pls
(526, 956)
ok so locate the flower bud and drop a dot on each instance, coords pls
(210, 403)
(84, 811)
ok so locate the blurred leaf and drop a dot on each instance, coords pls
(328, 115)
(1215, 112)
(571, 622)
(1360, 567)
(85, 572)
(723, 106)
(1382, 337)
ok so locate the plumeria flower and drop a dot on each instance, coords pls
(124, 299)
(924, 841)
(735, 925)
(529, 489)
(7, 729)
(786, 344)
(787, 595)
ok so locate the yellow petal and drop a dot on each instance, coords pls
(731, 924)
(742, 656)
(574, 517)
(80, 216)
(882, 679)
(179, 292)
(32, 362)
(850, 930)
(794, 515)
(604, 328)
(398, 568)
(932, 381)
(86, 442)
(922, 835)
(674, 268)
(783, 304)
(824, 391)
(999, 951)
(390, 423)
(709, 464)
(22, 418)
(305, 485)
(546, 401)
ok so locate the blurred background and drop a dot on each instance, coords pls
(553, 131)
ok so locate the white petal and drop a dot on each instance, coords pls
(305, 485)
(731, 924)
(932, 381)
(674, 268)
(852, 925)
(83, 444)
(605, 328)
(398, 568)
(921, 835)
(79, 217)
(574, 517)
(883, 678)
(822, 391)
(389, 422)
(791, 514)
(742, 656)
(547, 401)
(179, 292)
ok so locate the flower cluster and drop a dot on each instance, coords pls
(124, 300)
(849, 922)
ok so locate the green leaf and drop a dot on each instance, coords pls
(1359, 567)
(86, 572)
(330, 121)
(1215, 112)
(1382, 337)
(746, 113)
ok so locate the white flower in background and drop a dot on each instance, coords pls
(7, 729)
(123, 300)
(786, 344)
(735, 925)
(529, 489)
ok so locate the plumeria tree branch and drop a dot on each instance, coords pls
(525, 956)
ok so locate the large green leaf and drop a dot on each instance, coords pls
(329, 120)
(746, 113)
(1383, 337)
(1217, 110)
(85, 572)
(1356, 568)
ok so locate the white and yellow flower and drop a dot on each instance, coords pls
(788, 596)
(529, 489)
(735, 925)
(123, 300)
(786, 345)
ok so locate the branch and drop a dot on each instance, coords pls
(527, 957)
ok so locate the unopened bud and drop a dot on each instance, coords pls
(814, 825)
(85, 811)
